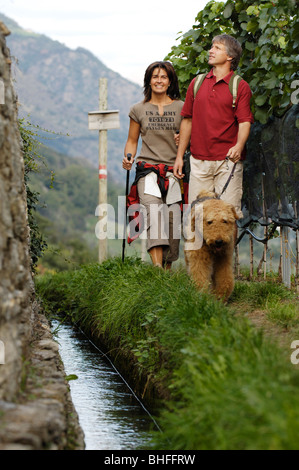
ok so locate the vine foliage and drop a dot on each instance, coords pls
(269, 34)
(30, 145)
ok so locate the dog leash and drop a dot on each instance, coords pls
(229, 178)
(202, 199)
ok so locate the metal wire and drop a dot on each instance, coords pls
(119, 374)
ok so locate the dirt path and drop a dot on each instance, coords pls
(283, 336)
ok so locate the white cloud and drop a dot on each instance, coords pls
(126, 36)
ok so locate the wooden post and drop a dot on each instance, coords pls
(297, 262)
(265, 227)
(143, 249)
(102, 121)
(251, 256)
(237, 261)
(263, 260)
(297, 251)
(285, 257)
(103, 104)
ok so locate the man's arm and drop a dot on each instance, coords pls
(185, 135)
(235, 152)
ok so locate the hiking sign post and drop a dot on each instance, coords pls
(103, 120)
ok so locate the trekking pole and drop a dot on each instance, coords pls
(129, 155)
(181, 182)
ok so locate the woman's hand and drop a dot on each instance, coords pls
(127, 164)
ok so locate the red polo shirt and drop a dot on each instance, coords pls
(214, 121)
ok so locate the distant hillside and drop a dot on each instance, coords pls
(58, 86)
(66, 209)
(70, 200)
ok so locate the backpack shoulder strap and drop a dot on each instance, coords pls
(198, 82)
(233, 86)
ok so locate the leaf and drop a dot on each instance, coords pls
(285, 101)
(228, 10)
(263, 22)
(271, 82)
(261, 115)
(261, 99)
(282, 42)
(71, 377)
(250, 46)
(252, 10)
(252, 26)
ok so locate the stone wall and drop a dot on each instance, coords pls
(36, 411)
(16, 287)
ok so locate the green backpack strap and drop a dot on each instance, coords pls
(198, 82)
(233, 85)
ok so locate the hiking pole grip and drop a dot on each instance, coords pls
(129, 156)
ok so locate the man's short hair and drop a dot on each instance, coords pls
(233, 48)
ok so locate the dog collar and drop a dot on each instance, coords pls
(202, 199)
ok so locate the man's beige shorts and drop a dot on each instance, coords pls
(212, 176)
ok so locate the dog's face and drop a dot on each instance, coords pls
(219, 220)
(210, 221)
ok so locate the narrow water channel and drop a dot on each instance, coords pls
(109, 414)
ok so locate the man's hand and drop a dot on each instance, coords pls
(234, 153)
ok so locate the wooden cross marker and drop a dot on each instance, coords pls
(102, 121)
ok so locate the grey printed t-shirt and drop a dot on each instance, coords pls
(158, 145)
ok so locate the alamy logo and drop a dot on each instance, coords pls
(295, 354)
(2, 353)
(295, 94)
(160, 221)
(2, 92)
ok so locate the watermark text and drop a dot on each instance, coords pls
(295, 94)
(156, 221)
(295, 354)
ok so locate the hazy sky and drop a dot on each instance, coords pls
(126, 35)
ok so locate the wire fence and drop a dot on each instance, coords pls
(271, 190)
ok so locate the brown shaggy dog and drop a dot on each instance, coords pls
(210, 260)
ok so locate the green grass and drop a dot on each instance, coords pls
(279, 303)
(227, 386)
(257, 294)
(286, 315)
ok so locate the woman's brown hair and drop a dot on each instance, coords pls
(173, 91)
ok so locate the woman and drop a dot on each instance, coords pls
(156, 119)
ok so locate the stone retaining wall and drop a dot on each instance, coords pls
(36, 411)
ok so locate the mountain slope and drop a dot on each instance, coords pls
(58, 86)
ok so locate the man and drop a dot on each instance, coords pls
(214, 129)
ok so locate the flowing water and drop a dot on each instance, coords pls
(109, 414)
